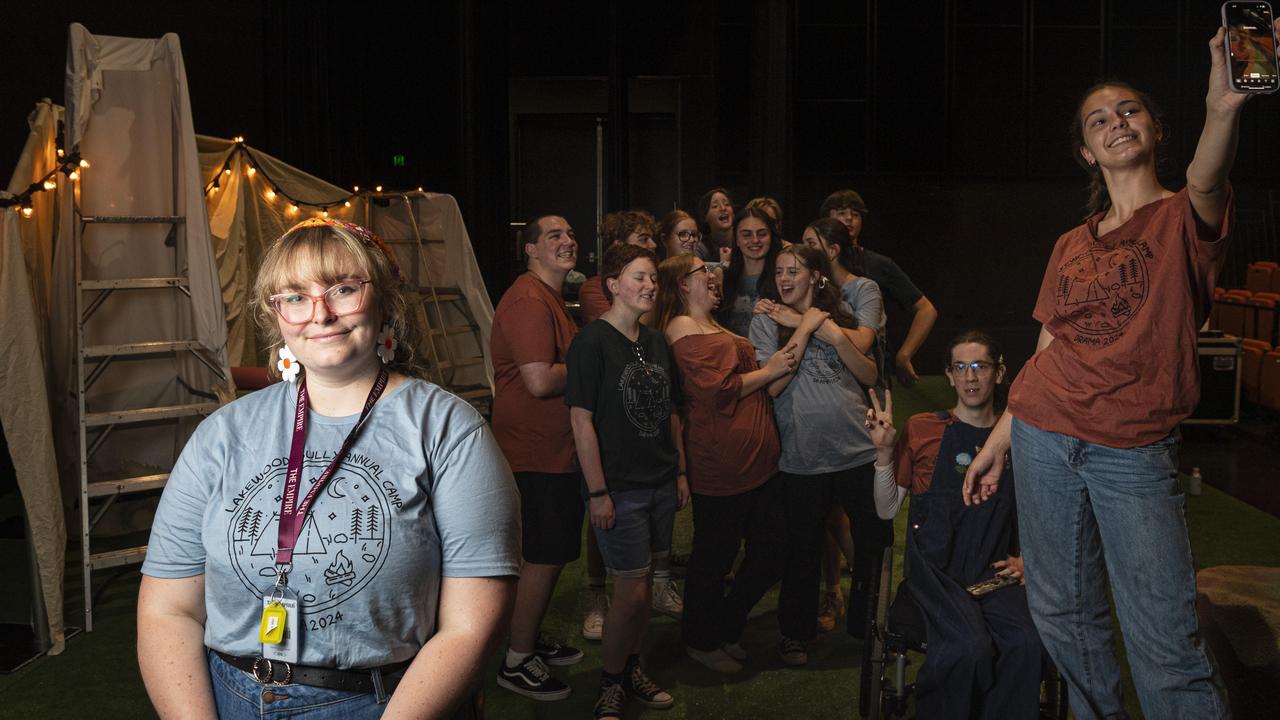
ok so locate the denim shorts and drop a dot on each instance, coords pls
(642, 523)
(239, 696)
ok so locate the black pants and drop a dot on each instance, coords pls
(807, 498)
(720, 524)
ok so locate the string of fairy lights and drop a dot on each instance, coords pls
(274, 193)
(69, 165)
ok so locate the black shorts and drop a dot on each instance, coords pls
(551, 510)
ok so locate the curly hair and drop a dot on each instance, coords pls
(618, 226)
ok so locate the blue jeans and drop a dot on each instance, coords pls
(643, 520)
(239, 697)
(1087, 513)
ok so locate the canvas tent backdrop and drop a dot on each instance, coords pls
(26, 252)
(253, 198)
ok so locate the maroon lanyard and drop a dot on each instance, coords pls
(292, 512)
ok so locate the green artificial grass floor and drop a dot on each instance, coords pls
(97, 676)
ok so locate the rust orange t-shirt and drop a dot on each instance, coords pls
(916, 451)
(530, 325)
(1124, 310)
(591, 297)
(731, 443)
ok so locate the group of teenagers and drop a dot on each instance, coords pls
(355, 542)
(736, 384)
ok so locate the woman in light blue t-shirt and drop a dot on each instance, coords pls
(826, 452)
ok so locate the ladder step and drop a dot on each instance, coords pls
(165, 412)
(477, 394)
(142, 283)
(142, 348)
(460, 363)
(441, 294)
(134, 219)
(124, 486)
(453, 330)
(116, 558)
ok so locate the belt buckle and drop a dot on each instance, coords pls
(264, 672)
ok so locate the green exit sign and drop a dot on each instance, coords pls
(397, 160)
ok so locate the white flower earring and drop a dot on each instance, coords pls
(386, 344)
(288, 364)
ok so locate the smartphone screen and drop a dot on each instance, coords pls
(1252, 46)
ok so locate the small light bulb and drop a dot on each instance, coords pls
(84, 163)
(27, 211)
(251, 171)
(215, 189)
(325, 214)
(227, 171)
(346, 204)
(419, 188)
(378, 189)
(271, 194)
(356, 188)
(238, 138)
(50, 184)
(73, 176)
(60, 152)
(293, 209)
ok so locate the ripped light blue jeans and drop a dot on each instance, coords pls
(1088, 513)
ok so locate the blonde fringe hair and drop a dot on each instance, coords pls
(329, 254)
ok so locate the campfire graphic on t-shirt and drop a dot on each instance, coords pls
(339, 571)
(1100, 290)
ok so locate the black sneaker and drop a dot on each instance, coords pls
(553, 653)
(531, 679)
(792, 652)
(643, 688)
(612, 700)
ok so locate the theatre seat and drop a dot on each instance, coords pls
(1269, 381)
(1232, 311)
(1260, 323)
(1251, 367)
(1261, 276)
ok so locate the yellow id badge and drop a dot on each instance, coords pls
(274, 617)
(279, 630)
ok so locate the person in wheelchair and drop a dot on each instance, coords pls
(984, 656)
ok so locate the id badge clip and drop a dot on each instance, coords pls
(278, 631)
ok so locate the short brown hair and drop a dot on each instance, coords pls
(616, 259)
(618, 226)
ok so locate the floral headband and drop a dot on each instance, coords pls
(366, 236)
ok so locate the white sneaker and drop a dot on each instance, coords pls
(735, 651)
(593, 621)
(666, 599)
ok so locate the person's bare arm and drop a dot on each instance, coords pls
(921, 324)
(983, 477)
(781, 363)
(1207, 175)
(862, 337)
(171, 651)
(471, 618)
(543, 379)
(682, 462)
(587, 444)
(862, 367)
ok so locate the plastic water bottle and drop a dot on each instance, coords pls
(1196, 484)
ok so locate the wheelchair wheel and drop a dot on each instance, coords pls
(870, 700)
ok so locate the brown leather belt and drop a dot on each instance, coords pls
(277, 672)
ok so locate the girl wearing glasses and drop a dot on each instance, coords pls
(826, 452)
(386, 588)
(622, 394)
(679, 234)
(732, 446)
(985, 656)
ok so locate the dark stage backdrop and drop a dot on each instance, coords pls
(949, 116)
